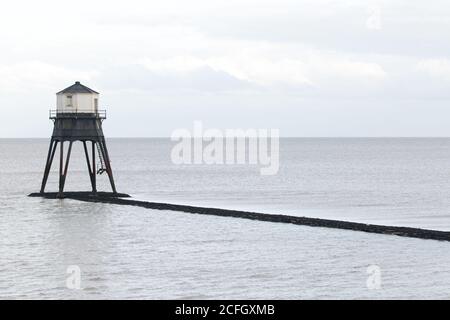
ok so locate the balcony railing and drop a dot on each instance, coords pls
(54, 114)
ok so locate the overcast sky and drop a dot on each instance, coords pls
(306, 67)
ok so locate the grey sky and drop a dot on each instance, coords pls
(309, 68)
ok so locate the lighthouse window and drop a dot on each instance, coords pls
(69, 101)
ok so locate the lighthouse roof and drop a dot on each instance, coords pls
(77, 88)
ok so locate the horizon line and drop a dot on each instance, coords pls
(281, 137)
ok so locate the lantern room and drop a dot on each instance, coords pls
(77, 99)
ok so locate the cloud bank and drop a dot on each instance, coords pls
(309, 60)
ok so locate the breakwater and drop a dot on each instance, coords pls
(123, 199)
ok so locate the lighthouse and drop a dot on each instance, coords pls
(78, 118)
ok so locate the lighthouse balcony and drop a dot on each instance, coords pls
(57, 114)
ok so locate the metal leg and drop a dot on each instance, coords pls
(48, 164)
(91, 170)
(94, 174)
(104, 151)
(67, 165)
(64, 164)
(61, 160)
(63, 173)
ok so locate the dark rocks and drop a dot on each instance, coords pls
(103, 197)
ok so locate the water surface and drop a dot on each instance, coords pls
(128, 252)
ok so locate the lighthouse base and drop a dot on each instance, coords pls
(74, 194)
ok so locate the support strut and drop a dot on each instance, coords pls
(48, 163)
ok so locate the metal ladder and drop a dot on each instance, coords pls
(102, 168)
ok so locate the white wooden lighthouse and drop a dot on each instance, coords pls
(77, 118)
(77, 99)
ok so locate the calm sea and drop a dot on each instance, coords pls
(127, 252)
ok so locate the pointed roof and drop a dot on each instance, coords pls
(77, 88)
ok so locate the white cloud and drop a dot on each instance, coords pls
(256, 70)
(374, 20)
(166, 38)
(240, 53)
(264, 65)
(435, 67)
(177, 64)
(31, 75)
